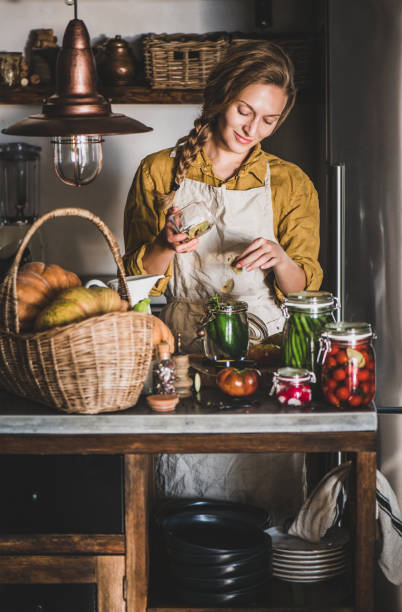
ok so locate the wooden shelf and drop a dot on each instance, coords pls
(127, 94)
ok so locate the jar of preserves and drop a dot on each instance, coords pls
(292, 387)
(348, 364)
(306, 313)
(227, 327)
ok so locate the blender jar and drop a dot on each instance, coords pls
(19, 183)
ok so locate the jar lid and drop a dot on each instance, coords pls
(310, 300)
(226, 306)
(344, 330)
(296, 375)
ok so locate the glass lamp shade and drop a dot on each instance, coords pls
(77, 159)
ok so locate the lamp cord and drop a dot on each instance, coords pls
(69, 3)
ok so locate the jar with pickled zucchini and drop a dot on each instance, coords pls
(348, 364)
(307, 313)
(226, 329)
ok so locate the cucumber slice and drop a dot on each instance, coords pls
(197, 382)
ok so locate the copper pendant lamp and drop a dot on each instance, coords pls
(76, 116)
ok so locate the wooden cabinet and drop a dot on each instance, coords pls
(120, 563)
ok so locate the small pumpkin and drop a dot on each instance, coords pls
(37, 285)
(161, 333)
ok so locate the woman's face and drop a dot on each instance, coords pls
(251, 117)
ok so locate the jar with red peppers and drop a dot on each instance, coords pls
(348, 364)
(292, 387)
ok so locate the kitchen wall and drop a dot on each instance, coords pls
(70, 241)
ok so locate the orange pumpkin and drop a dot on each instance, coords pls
(161, 333)
(37, 286)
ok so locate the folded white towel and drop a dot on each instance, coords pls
(389, 517)
(320, 512)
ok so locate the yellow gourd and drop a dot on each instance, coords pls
(76, 304)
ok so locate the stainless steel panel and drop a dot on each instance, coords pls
(365, 87)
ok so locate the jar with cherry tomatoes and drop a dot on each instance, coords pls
(292, 387)
(348, 364)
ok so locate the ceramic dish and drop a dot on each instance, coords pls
(247, 595)
(234, 510)
(220, 585)
(206, 534)
(247, 565)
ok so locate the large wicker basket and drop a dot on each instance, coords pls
(182, 61)
(97, 365)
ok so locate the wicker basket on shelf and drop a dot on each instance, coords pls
(97, 365)
(182, 61)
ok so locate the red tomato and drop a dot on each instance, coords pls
(365, 387)
(342, 393)
(342, 358)
(237, 382)
(333, 399)
(363, 374)
(334, 350)
(331, 363)
(371, 365)
(355, 400)
(332, 384)
(372, 387)
(339, 374)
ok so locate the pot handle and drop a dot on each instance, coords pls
(257, 329)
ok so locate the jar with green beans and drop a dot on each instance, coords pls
(306, 313)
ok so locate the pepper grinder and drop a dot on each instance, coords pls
(183, 382)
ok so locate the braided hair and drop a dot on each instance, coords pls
(245, 64)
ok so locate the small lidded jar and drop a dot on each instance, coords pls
(292, 387)
(348, 364)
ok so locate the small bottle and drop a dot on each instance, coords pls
(164, 371)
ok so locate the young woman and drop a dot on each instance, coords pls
(264, 240)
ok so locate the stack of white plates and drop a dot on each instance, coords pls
(295, 560)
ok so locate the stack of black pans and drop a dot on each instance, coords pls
(217, 552)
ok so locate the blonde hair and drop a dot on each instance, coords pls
(245, 64)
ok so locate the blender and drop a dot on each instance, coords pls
(19, 202)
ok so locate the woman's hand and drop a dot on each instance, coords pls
(177, 242)
(261, 253)
(265, 254)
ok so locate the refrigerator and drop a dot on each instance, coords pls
(363, 209)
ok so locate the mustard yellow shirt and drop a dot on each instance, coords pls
(296, 215)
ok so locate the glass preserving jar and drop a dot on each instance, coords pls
(292, 387)
(227, 327)
(306, 313)
(348, 364)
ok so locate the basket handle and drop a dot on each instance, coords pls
(8, 291)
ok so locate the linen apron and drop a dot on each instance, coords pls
(273, 481)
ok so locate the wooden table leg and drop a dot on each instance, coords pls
(365, 531)
(109, 577)
(136, 476)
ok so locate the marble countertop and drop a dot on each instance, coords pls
(207, 414)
